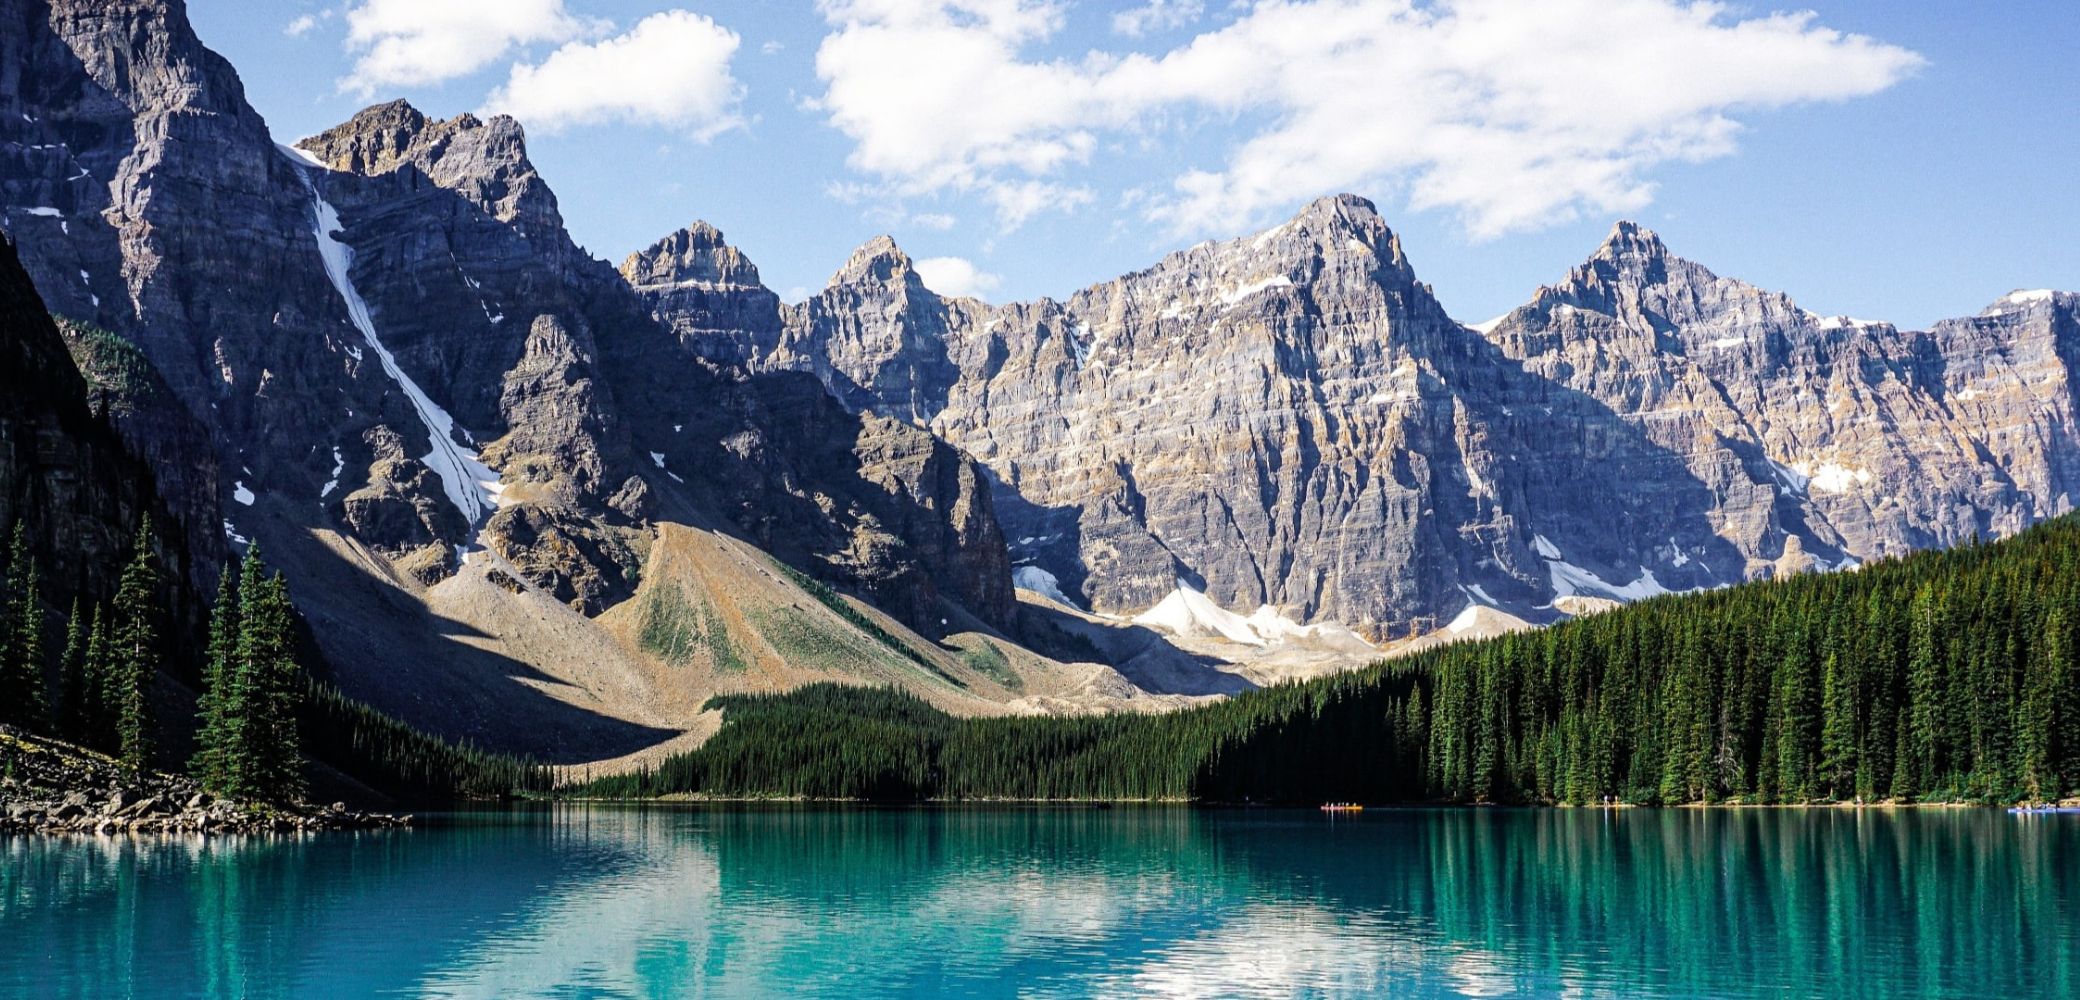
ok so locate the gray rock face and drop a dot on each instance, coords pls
(1819, 438)
(1292, 419)
(709, 295)
(150, 200)
(66, 476)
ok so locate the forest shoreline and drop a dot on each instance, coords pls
(680, 798)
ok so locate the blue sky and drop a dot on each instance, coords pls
(1877, 159)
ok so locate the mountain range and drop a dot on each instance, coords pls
(529, 498)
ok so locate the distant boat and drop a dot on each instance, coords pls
(1342, 807)
(2024, 810)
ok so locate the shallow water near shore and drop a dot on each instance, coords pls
(627, 901)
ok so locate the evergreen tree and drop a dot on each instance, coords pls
(21, 639)
(1838, 760)
(74, 697)
(1919, 761)
(2036, 718)
(1796, 721)
(221, 709)
(133, 653)
(99, 691)
(267, 689)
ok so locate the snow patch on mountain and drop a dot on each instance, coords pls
(1570, 580)
(339, 464)
(1235, 296)
(1041, 582)
(1187, 612)
(470, 485)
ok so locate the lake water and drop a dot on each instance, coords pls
(639, 902)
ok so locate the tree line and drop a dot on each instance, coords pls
(102, 698)
(260, 717)
(1942, 676)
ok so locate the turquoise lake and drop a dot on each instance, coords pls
(1129, 902)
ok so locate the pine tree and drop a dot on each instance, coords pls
(218, 755)
(1838, 760)
(99, 690)
(21, 639)
(1797, 718)
(74, 698)
(2036, 718)
(268, 688)
(134, 658)
(1922, 728)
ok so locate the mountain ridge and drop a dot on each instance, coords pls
(1650, 303)
(550, 504)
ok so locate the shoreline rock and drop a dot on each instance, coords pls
(51, 787)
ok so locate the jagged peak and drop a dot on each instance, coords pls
(1340, 207)
(878, 259)
(399, 111)
(698, 253)
(381, 136)
(2026, 298)
(1631, 240)
(1337, 216)
(1330, 221)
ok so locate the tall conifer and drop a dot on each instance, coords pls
(134, 654)
(218, 755)
(21, 639)
(75, 700)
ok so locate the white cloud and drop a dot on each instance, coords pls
(1157, 15)
(956, 277)
(1510, 115)
(405, 43)
(301, 26)
(672, 70)
(934, 220)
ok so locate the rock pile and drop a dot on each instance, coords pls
(47, 786)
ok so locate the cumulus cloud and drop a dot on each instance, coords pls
(1510, 115)
(301, 26)
(956, 277)
(671, 70)
(406, 43)
(1157, 15)
(933, 220)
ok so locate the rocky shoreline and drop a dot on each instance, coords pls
(52, 787)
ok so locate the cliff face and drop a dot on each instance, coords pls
(65, 474)
(596, 417)
(1291, 419)
(1824, 440)
(378, 352)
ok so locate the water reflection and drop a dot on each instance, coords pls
(1122, 902)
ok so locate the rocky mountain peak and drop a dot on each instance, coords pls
(878, 261)
(1343, 227)
(483, 161)
(2026, 300)
(1632, 256)
(375, 140)
(385, 137)
(1634, 278)
(1347, 211)
(697, 254)
(1630, 241)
